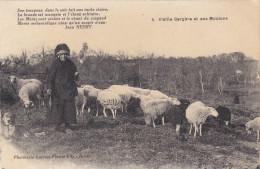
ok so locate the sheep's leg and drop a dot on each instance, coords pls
(77, 111)
(50, 102)
(226, 122)
(82, 108)
(88, 109)
(43, 104)
(82, 112)
(97, 110)
(257, 140)
(126, 108)
(196, 129)
(97, 113)
(40, 100)
(104, 112)
(113, 113)
(163, 120)
(78, 114)
(97, 107)
(153, 123)
(200, 129)
(190, 128)
(178, 127)
(37, 100)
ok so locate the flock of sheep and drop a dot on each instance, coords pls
(153, 104)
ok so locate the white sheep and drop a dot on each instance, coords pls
(255, 126)
(80, 100)
(140, 91)
(157, 107)
(197, 114)
(158, 95)
(31, 90)
(19, 83)
(109, 100)
(124, 92)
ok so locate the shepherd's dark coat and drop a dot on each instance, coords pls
(61, 80)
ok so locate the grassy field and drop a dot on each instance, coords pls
(127, 143)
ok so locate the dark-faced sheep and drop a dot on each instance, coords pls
(134, 106)
(184, 104)
(176, 114)
(224, 115)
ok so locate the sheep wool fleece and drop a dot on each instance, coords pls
(61, 81)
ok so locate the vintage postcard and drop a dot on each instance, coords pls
(130, 84)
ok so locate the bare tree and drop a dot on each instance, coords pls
(221, 86)
(101, 53)
(43, 53)
(121, 55)
(24, 57)
(201, 82)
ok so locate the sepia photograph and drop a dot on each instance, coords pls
(130, 84)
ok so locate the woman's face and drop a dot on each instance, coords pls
(63, 55)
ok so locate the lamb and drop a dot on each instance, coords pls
(109, 100)
(197, 114)
(80, 100)
(255, 126)
(224, 115)
(19, 83)
(176, 117)
(184, 105)
(157, 107)
(31, 90)
(176, 114)
(134, 106)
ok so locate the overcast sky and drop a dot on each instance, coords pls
(130, 28)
